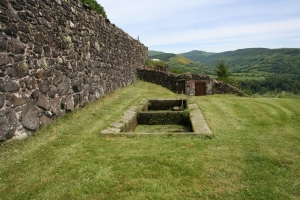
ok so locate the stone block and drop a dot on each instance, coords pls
(30, 117)
(4, 59)
(17, 47)
(45, 120)
(70, 103)
(42, 102)
(55, 105)
(44, 85)
(19, 98)
(63, 88)
(8, 123)
(9, 85)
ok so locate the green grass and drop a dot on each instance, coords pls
(172, 128)
(254, 153)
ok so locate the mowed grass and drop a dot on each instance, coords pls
(253, 154)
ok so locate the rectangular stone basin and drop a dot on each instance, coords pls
(157, 116)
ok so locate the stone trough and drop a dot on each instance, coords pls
(161, 112)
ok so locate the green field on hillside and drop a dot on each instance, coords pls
(254, 153)
(260, 60)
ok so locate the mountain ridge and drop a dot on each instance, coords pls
(273, 61)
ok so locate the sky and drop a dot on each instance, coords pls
(213, 26)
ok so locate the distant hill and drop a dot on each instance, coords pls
(177, 63)
(163, 56)
(153, 53)
(258, 70)
(275, 61)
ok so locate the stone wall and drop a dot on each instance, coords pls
(56, 56)
(170, 81)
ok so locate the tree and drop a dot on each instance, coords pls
(222, 72)
(96, 7)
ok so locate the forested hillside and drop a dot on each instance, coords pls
(275, 61)
(258, 70)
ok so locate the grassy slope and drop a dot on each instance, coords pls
(255, 153)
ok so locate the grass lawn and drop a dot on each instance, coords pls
(253, 154)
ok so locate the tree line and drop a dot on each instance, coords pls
(274, 83)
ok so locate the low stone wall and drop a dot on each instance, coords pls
(56, 56)
(170, 81)
(224, 88)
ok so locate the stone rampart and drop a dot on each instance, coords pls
(56, 56)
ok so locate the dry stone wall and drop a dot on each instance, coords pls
(170, 81)
(55, 56)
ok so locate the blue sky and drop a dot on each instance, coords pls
(213, 26)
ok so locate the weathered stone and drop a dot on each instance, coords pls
(24, 27)
(18, 47)
(52, 91)
(20, 98)
(42, 102)
(44, 85)
(39, 37)
(8, 123)
(29, 14)
(9, 85)
(35, 94)
(2, 100)
(77, 85)
(3, 18)
(21, 69)
(38, 48)
(55, 105)
(33, 2)
(3, 43)
(45, 120)
(32, 84)
(70, 103)
(23, 16)
(11, 30)
(83, 101)
(92, 98)
(16, 6)
(63, 88)
(18, 58)
(4, 59)
(30, 117)
(55, 81)
(25, 38)
(47, 51)
(76, 98)
(4, 3)
(22, 2)
(13, 15)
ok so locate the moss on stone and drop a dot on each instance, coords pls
(97, 46)
(45, 64)
(68, 39)
(25, 65)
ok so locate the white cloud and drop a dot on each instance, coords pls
(174, 26)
